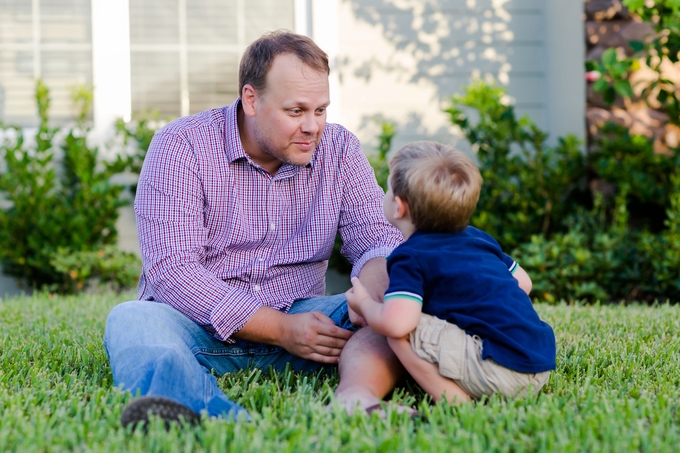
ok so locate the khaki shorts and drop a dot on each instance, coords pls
(459, 357)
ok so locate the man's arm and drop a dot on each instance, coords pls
(374, 278)
(367, 237)
(312, 335)
(169, 208)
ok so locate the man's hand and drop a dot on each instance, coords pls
(314, 336)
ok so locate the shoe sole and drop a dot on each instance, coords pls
(140, 410)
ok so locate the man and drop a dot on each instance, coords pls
(237, 210)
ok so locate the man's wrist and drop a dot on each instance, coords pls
(267, 325)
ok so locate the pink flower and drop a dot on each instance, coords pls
(592, 76)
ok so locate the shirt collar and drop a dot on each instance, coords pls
(234, 147)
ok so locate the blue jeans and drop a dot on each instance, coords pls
(155, 350)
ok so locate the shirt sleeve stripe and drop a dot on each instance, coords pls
(404, 295)
(513, 267)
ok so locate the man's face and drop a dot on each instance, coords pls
(290, 116)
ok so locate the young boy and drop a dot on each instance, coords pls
(457, 312)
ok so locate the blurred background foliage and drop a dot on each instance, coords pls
(58, 203)
(603, 225)
(596, 226)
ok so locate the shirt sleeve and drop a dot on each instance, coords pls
(365, 232)
(407, 278)
(169, 207)
(509, 262)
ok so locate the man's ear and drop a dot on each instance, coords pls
(400, 208)
(249, 99)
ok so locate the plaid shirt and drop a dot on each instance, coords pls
(220, 237)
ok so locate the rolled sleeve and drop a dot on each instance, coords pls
(364, 230)
(232, 313)
(381, 252)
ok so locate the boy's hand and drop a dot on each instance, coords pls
(355, 318)
(355, 296)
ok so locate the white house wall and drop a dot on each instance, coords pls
(400, 60)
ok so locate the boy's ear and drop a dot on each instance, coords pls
(400, 208)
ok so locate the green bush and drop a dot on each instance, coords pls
(56, 206)
(379, 161)
(601, 226)
(595, 260)
(664, 251)
(600, 260)
(660, 48)
(118, 269)
(529, 187)
(627, 163)
(614, 73)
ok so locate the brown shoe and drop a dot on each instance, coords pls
(139, 410)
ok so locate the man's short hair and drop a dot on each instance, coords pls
(259, 56)
(440, 185)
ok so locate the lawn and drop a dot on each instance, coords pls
(616, 389)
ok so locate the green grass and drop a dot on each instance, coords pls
(616, 389)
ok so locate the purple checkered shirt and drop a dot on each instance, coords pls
(220, 237)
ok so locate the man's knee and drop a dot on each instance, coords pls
(125, 312)
(138, 322)
(368, 339)
(140, 312)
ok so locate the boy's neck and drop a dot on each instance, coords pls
(406, 227)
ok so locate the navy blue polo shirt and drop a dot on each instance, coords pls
(465, 278)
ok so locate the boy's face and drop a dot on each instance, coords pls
(396, 212)
(389, 203)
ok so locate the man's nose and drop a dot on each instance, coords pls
(310, 124)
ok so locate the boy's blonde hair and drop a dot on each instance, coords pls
(440, 185)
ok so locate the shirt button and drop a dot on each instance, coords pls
(256, 287)
(260, 259)
(272, 226)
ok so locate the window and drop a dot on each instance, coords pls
(185, 53)
(48, 39)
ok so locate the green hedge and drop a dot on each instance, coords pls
(60, 206)
(601, 225)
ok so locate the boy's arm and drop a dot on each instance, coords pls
(374, 277)
(523, 279)
(394, 318)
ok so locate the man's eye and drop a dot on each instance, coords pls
(320, 111)
(295, 111)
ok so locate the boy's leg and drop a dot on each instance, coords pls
(368, 368)
(426, 374)
(457, 357)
